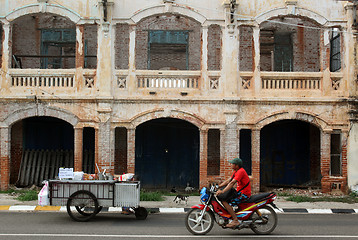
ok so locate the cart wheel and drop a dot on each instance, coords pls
(140, 213)
(82, 206)
(86, 213)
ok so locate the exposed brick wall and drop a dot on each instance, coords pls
(246, 48)
(16, 151)
(121, 46)
(27, 39)
(168, 22)
(305, 42)
(214, 47)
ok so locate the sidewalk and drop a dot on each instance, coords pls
(8, 203)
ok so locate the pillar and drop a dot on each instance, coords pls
(204, 60)
(256, 77)
(325, 161)
(203, 159)
(6, 60)
(131, 67)
(78, 149)
(131, 151)
(5, 158)
(255, 143)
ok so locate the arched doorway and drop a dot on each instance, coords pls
(39, 146)
(290, 154)
(167, 153)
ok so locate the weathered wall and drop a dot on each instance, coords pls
(353, 157)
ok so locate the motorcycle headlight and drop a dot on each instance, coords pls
(203, 195)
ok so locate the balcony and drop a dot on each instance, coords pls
(173, 84)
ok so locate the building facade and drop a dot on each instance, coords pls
(171, 89)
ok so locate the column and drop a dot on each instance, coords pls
(230, 55)
(105, 146)
(325, 161)
(231, 141)
(255, 143)
(78, 149)
(131, 151)
(349, 58)
(80, 49)
(256, 68)
(324, 61)
(80, 56)
(131, 67)
(5, 158)
(203, 165)
(204, 60)
(104, 59)
(6, 53)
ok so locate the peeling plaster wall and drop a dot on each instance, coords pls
(231, 52)
(352, 156)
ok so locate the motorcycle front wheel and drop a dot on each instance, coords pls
(197, 225)
(264, 220)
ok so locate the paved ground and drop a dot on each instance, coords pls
(9, 203)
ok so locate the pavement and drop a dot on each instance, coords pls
(9, 203)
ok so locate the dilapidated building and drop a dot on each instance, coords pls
(171, 89)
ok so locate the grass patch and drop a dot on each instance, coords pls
(151, 196)
(343, 199)
(30, 195)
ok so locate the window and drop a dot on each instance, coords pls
(168, 50)
(336, 166)
(283, 53)
(245, 149)
(59, 45)
(335, 58)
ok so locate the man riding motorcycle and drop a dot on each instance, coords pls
(229, 195)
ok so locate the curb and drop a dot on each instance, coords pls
(24, 208)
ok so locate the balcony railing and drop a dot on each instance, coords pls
(42, 78)
(291, 81)
(270, 84)
(168, 79)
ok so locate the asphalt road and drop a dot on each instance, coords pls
(58, 225)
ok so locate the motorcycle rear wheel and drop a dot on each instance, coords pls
(202, 227)
(264, 220)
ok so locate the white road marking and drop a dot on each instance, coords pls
(171, 236)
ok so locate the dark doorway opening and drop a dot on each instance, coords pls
(290, 154)
(167, 153)
(88, 148)
(39, 146)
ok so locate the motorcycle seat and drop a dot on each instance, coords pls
(257, 197)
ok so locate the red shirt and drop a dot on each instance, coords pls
(242, 179)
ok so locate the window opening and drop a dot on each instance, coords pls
(168, 50)
(213, 167)
(57, 45)
(283, 53)
(336, 157)
(335, 58)
(245, 149)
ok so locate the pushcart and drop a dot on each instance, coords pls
(85, 199)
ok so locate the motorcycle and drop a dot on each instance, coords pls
(254, 213)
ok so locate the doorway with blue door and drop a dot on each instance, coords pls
(167, 154)
(290, 154)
